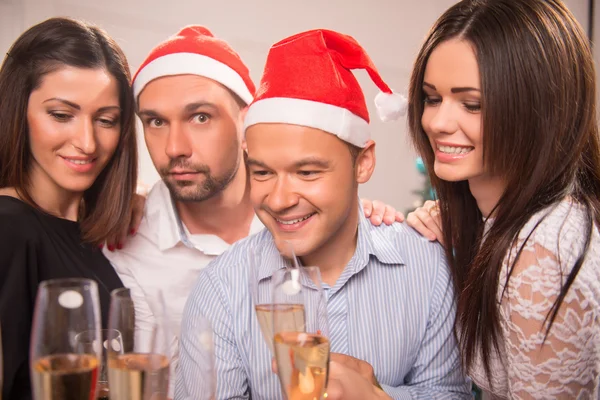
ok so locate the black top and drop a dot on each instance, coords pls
(34, 247)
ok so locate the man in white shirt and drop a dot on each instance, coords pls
(192, 92)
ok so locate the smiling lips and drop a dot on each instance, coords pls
(293, 224)
(80, 164)
(446, 152)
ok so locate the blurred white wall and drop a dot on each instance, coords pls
(390, 30)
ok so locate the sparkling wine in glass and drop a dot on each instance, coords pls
(301, 350)
(142, 374)
(110, 338)
(60, 369)
(263, 303)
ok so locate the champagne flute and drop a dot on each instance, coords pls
(301, 349)
(142, 374)
(263, 303)
(60, 370)
(109, 338)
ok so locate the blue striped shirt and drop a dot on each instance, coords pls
(393, 306)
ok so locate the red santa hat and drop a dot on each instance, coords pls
(195, 51)
(308, 81)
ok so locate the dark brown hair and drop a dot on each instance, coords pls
(44, 48)
(540, 136)
(354, 152)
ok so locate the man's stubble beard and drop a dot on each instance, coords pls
(212, 185)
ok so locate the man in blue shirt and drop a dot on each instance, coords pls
(389, 291)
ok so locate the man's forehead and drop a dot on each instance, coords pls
(291, 144)
(182, 92)
(184, 79)
(178, 86)
(287, 135)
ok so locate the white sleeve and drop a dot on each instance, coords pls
(144, 317)
(566, 363)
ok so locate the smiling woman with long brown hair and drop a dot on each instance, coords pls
(502, 108)
(503, 111)
(68, 164)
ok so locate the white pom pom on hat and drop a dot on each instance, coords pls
(390, 106)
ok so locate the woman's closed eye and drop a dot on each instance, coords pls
(60, 116)
(473, 106)
(108, 122)
(432, 101)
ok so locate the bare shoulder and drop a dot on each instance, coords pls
(9, 191)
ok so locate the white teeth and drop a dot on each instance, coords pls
(454, 150)
(295, 221)
(79, 162)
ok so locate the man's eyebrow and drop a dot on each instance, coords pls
(312, 161)
(148, 113)
(196, 105)
(305, 162)
(255, 163)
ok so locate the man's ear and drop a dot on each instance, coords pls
(243, 112)
(365, 163)
(241, 118)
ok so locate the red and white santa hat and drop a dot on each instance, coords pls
(308, 81)
(195, 51)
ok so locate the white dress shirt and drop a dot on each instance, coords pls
(164, 255)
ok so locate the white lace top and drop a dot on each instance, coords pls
(567, 366)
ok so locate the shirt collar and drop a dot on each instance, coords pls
(171, 230)
(160, 208)
(270, 260)
(372, 240)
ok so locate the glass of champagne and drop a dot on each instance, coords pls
(143, 373)
(263, 301)
(86, 341)
(301, 343)
(60, 370)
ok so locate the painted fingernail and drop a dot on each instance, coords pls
(101, 246)
(132, 231)
(111, 247)
(119, 246)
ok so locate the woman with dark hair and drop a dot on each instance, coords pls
(68, 168)
(503, 111)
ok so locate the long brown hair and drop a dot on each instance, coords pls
(540, 135)
(44, 48)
